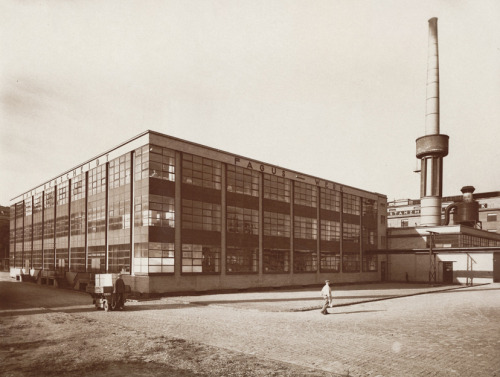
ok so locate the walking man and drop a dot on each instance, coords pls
(326, 292)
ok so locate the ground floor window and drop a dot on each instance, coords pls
(242, 260)
(350, 263)
(276, 260)
(160, 257)
(62, 259)
(329, 261)
(200, 258)
(370, 263)
(77, 259)
(96, 259)
(305, 261)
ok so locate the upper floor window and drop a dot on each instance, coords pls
(119, 171)
(201, 215)
(97, 180)
(242, 220)
(78, 187)
(351, 204)
(305, 194)
(276, 188)
(330, 199)
(242, 181)
(62, 194)
(200, 171)
(49, 199)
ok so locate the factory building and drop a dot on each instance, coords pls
(404, 213)
(177, 216)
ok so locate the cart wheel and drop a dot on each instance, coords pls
(106, 305)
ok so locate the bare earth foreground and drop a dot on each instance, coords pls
(375, 330)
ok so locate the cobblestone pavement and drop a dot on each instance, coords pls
(426, 331)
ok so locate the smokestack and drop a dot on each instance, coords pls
(432, 147)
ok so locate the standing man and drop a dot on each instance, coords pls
(119, 292)
(326, 292)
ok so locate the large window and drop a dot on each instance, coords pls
(350, 263)
(351, 204)
(276, 224)
(119, 171)
(28, 232)
(242, 259)
(49, 230)
(330, 230)
(330, 199)
(276, 260)
(155, 162)
(37, 231)
(276, 188)
(200, 171)
(242, 220)
(161, 211)
(305, 194)
(119, 212)
(201, 215)
(78, 224)
(161, 257)
(305, 227)
(96, 220)
(370, 263)
(198, 258)
(304, 261)
(330, 261)
(351, 232)
(242, 181)
(62, 227)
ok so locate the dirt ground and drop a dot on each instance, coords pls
(61, 344)
(426, 331)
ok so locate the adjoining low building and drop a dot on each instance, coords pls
(442, 254)
(406, 212)
(178, 216)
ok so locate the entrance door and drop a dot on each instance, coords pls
(448, 272)
(496, 267)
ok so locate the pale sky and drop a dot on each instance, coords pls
(334, 89)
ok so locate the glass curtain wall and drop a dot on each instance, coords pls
(161, 211)
(351, 233)
(96, 221)
(28, 233)
(119, 209)
(202, 215)
(49, 230)
(141, 210)
(37, 231)
(305, 226)
(62, 227)
(242, 213)
(369, 227)
(12, 236)
(329, 230)
(19, 234)
(277, 224)
(78, 223)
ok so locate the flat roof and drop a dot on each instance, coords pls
(121, 148)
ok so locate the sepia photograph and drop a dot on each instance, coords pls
(250, 188)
